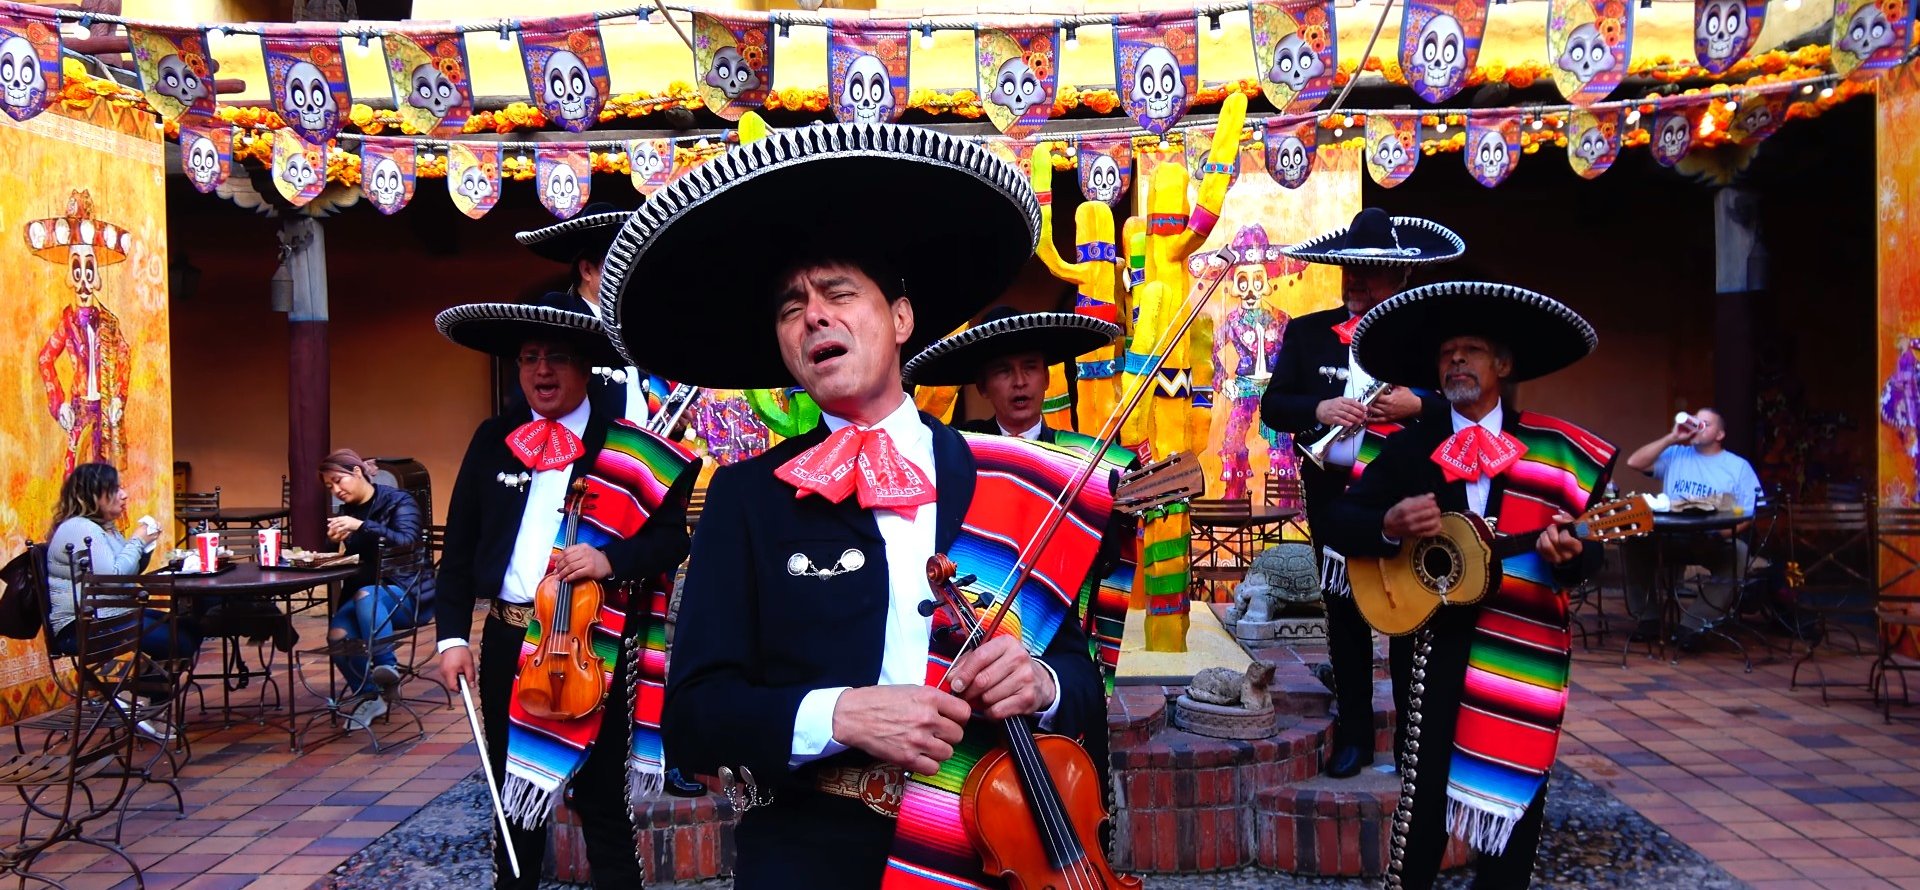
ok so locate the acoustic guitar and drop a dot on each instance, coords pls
(1461, 565)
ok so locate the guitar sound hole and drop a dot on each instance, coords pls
(1439, 565)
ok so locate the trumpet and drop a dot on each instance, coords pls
(1317, 452)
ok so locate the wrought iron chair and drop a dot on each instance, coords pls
(391, 563)
(1221, 541)
(1897, 605)
(1287, 492)
(1832, 565)
(195, 510)
(77, 775)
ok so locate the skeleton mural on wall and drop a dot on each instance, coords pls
(90, 402)
(1246, 346)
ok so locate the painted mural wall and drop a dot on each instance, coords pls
(1899, 327)
(83, 251)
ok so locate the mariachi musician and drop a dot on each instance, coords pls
(581, 243)
(505, 534)
(806, 672)
(1317, 386)
(1487, 682)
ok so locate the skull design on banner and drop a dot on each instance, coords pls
(1439, 41)
(1671, 136)
(1588, 45)
(867, 72)
(1593, 140)
(566, 69)
(564, 175)
(1493, 147)
(1724, 30)
(733, 63)
(205, 154)
(431, 88)
(1295, 52)
(29, 61)
(307, 76)
(1018, 76)
(1290, 150)
(1156, 64)
(1106, 168)
(299, 168)
(1758, 115)
(473, 177)
(1866, 39)
(175, 70)
(1393, 148)
(649, 163)
(386, 172)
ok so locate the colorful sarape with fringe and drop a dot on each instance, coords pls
(1104, 600)
(1517, 664)
(627, 483)
(1016, 485)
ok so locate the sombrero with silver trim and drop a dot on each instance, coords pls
(1399, 340)
(690, 280)
(1057, 336)
(503, 328)
(590, 231)
(1376, 239)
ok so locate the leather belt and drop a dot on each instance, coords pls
(878, 785)
(512, 613)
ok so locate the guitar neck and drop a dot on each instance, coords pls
(1505, 546)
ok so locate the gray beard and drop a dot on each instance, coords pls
(1458, 393)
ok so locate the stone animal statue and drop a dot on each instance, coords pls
(1283, 575)
(1226, 686)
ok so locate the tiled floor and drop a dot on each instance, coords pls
(1778, 789)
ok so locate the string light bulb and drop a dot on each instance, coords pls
(926, 37)
(1073, 37)
(1440, 127)
(1733, 104)
(1826, 93)
(1633, 117)
(1339, 132)
(1539, 122)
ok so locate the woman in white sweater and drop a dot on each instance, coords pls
(92, 506)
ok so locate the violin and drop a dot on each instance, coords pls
(1039, 793)
(563, 679)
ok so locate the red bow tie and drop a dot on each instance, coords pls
(1474, 453)
(859, 460)
(545, 445)
(1344, 330)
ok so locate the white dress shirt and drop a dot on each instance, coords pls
(539, 526)
(1478, 489)
(1032, 433)
(908, 543)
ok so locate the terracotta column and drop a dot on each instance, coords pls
(307, 379)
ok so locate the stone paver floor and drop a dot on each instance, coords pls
(1769, 784)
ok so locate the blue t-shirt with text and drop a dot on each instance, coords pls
(1686, 473)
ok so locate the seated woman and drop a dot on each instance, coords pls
(373, 516)
(92, 506)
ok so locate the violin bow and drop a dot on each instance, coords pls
(1212, 269)
(486, 769)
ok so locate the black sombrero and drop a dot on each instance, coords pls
(1398, 340)
(1059, 336)
(502, 328)
(589, 232)
(1376, 239)
(690, 279)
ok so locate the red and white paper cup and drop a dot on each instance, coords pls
(206, 545)
(269, 547)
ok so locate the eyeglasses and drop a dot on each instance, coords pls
(554, 359)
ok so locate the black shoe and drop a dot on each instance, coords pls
(681, 786)
(1347, 761)
(1324, 673)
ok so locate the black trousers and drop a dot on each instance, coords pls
(598, 793)
(1446, 679)
(1350, 650)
